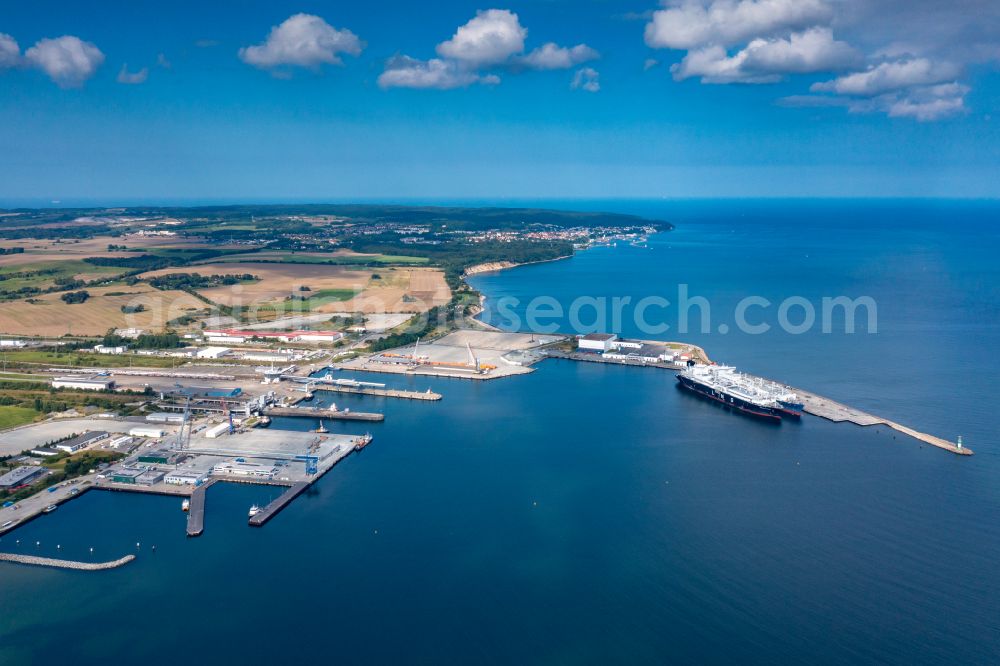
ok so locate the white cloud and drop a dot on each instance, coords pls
(890, 76)
(437, 74)
(767, 60)
(493, 36)
(931, 103)
(302, 40)
(649, 64)
(692, 24)
(586, 78)
(493, 39)
(553, 56)
(713, 65)
(813, 50)
(161, 61)
(68, 60)
(132, 78)
(10, 52)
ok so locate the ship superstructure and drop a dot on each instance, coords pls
(744, 393)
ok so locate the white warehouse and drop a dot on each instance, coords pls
(596, 342)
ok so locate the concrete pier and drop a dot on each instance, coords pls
(278, 504)
(65, 564)
(837, 412)
(328, 414)
(196, 511)
(383, 393)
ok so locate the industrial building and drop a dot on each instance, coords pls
(239, 337)
(147, 431)
(103, 349)
(641, 353)
(96, 383)
(13, 343)
(81, 441)
(596, 342)
(186, 477)
(217, 430)
(165, 417)
(159, 457)
(129, 476)
(20, 476)
(214, 352)
(250, 470)
(150, 477)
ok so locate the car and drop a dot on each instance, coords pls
(75, 491)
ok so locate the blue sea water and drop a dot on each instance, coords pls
(592, 514)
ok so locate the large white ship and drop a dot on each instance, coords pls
(746, 394)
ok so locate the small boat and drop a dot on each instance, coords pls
(362, 441)
(254, 510)
(321, 428)
(264, 421)
(186, 504)
(50, 508)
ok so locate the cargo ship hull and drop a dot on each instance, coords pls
(733, 402)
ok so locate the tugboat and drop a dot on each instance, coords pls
(254, 510)
(362, 441)
(186, 504)
(321, 429)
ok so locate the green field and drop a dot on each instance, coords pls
(88, 360)
(61, 269)
(14, 416)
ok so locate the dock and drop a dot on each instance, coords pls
(278, 504)
(814, 404)
(837, 412)
(196, 511)
(65, 564)
(380, 392)
(331, 414)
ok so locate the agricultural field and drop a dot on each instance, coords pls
(338, 257)
(330, 288)
(47, 315)
(86, 360)
(12, 416)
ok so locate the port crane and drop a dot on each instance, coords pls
(229, 416)
(184, 440)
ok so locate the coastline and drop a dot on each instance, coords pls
(497, 266)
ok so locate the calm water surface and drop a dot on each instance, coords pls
(591, 514)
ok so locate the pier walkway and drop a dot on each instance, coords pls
(65, 564)
(309, 413)
(383, 393)
(837, 412)
(196, 511)
(279, 503)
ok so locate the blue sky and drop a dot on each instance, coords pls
(186, 101)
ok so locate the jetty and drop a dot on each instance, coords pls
(317, 413)
(65, 564)
(381, 392)
(196, 510)
(837, 412)
(279, 503)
